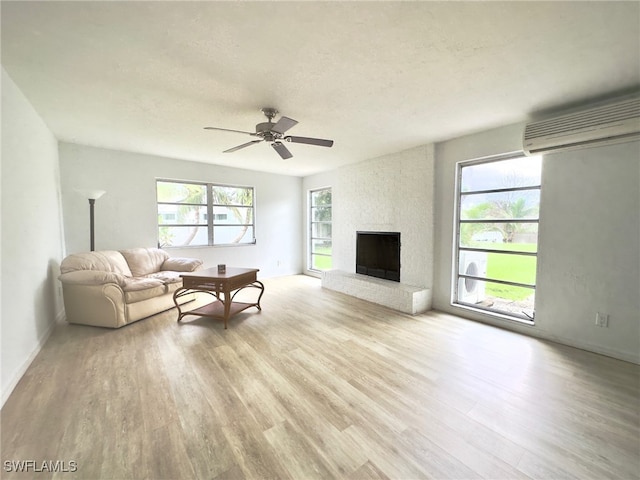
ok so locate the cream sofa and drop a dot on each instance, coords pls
(114, 288)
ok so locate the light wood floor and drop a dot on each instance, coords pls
(321, 385)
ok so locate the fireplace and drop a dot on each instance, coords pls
(378, 254)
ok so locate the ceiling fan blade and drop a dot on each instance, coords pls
(282, 150)
(310, 141)
(229, 130)
(242, 146)
(284, 124)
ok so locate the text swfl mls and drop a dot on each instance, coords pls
(54, 466)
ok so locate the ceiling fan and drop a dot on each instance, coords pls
(275, 133)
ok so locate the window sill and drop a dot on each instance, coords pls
(495, 315)
(182, 247)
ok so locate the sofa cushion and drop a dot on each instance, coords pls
(181, 264)
(138, 289)
(92, 277)
(172, 280)
(143, 261)
(166, 277)
(172, 287)
(105, 260)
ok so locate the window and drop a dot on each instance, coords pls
(497, 235)
(320, 229)
(196, 214)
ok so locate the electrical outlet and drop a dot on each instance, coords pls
(602, 319)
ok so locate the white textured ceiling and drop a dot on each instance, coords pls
(376, 77)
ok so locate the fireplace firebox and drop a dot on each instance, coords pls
(378, 254)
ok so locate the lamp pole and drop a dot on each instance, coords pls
(92, 202)
(93, 195)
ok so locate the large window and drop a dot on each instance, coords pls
(196, 214)
(497, 235)
(320, 229)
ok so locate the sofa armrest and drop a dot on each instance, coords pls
(181, 264)
(92, 277)
(98, 305)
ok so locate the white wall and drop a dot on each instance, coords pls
(126, 216)
(32, 246)
(589, 250)
(390, 193)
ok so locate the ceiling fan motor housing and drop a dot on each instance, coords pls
(264, 127)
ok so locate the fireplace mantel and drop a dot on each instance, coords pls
(398, 296)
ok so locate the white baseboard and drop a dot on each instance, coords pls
(8, 389)
(617, 354)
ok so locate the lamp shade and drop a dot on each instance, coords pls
(91, 194)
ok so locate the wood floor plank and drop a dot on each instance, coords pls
(254, 396)
(254, 457)
(462, 457)
(386, 454)
(122, 429)
(296, 453)
(159, 407)
(368, 471)
(321, 385)
(556, 442)
(164, 455)
(201, 419)
(305, 411)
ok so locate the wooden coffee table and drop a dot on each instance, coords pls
(224, 287)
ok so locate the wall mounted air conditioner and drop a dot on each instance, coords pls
(615, 122)
(471, 290)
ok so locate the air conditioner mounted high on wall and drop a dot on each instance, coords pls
(614, 122)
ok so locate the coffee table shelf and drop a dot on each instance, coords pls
(216, 309)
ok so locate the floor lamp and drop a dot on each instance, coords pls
(93, 195)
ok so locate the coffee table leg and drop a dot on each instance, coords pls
(261, 287)
(227, 307)
(175, 300)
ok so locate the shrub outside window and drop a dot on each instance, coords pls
(204, 214)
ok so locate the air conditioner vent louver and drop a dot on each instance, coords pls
(612, 123)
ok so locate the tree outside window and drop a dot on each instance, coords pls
(196, 214)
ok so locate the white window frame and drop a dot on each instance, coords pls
(210, 218)
(311, 224)
(456, 275)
